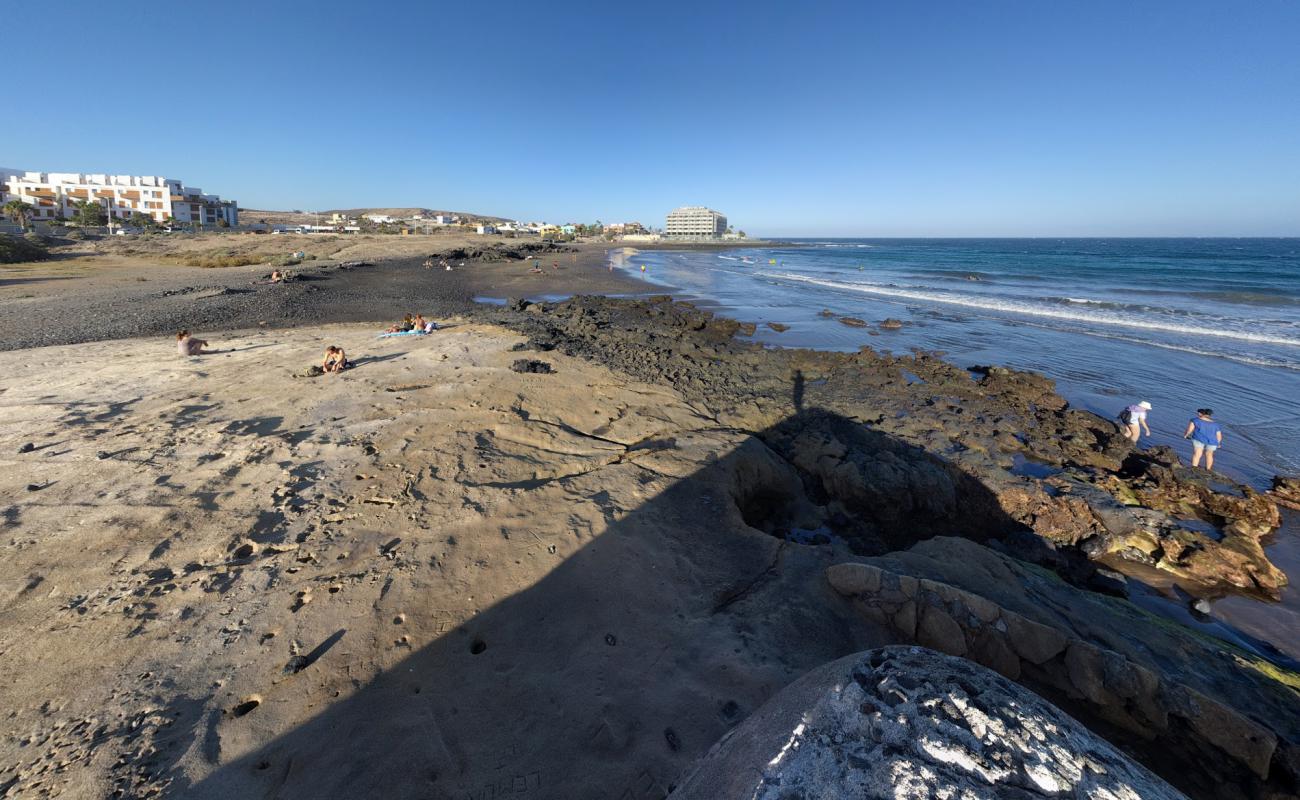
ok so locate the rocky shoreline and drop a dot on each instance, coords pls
(990, 453)
(883, 452)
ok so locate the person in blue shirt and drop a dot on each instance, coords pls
(1206, 436)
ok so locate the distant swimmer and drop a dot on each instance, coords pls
(643, 267)
(1134, 420)
(1206, 436)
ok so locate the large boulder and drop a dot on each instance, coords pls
(911, 722)
(1203, 712)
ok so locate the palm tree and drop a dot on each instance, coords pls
(90, 214)
(19, 211)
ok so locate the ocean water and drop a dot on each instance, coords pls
(1182, 323)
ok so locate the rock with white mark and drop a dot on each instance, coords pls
(911, 722)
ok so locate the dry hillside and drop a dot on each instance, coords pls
(254, 215)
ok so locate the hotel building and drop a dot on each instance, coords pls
(54, 196)
(696, 222)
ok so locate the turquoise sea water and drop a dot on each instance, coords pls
(1182, 323)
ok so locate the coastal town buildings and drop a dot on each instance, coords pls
(54, 196)
(624, 228)
(695, 222)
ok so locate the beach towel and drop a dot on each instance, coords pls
(403, 333)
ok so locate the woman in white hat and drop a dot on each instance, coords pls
(1134, 419)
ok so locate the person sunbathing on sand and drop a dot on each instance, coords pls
(335, 360)
(276, 276)
(405, 325)
(187, 345)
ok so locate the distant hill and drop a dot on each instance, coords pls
(248, 215)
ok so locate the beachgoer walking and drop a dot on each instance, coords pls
(1206, 436)
(187, 345)
(1134, 420)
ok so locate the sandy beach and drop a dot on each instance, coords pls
(554, 549)
(430, 537)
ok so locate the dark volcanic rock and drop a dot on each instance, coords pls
(501, 252)
(891, 324)
(853, 322)
(1286, 491)
(532, 365)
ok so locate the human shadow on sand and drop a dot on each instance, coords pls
(614, 671)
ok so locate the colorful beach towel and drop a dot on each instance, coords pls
(403, 333)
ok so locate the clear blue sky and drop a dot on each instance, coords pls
(965, 117)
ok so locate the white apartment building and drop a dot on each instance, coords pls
(695, 222)
(54, 195)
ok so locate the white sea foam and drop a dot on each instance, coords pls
(1012, 307)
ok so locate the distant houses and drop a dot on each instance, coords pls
(56, 196)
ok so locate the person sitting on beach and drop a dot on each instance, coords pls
(335, 360)
(276, 276)
(1134, 420)
(407, 323)
(187, 345)
(1206, 436)
(420, 323)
